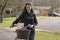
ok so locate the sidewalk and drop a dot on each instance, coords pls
(7, 35)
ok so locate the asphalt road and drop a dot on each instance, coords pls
(50, 24)
(7, 35)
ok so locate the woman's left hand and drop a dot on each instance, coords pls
(31, 26)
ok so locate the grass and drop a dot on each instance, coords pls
(47, 36)
(44, 17)
(7, 22)
(39, 35)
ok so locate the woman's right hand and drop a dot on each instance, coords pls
(11, 26)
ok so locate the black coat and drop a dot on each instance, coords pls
(28, 18)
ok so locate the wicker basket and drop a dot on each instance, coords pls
(23, 33)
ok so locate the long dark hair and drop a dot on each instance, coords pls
(25, 10)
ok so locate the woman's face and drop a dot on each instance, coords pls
(28, 8)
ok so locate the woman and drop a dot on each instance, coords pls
(29, 19)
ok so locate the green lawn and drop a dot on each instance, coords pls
(39, 35)
(7, 22)
(47, 36)
(43, 17)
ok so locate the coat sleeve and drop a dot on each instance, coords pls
(35, 20)
(18, 19)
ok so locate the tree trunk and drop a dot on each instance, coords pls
(3, 7)
(1, 19)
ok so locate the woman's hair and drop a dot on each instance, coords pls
(25, 10)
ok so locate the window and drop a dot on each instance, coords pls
(37, 11)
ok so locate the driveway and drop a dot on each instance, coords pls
(49, 24)
(7, 35)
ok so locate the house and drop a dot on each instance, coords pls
(42, 10)
(9, 12)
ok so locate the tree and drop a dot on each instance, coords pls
(3, 4)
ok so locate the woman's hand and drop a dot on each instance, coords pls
(31, 26)
(12, 25)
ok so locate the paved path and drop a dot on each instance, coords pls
(50, 24)
(7, 35)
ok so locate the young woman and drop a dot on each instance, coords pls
(28, 18)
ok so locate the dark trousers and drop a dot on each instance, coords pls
(32, 34)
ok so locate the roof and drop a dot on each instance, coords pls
(42, 7)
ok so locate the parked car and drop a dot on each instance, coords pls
(56, 12)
